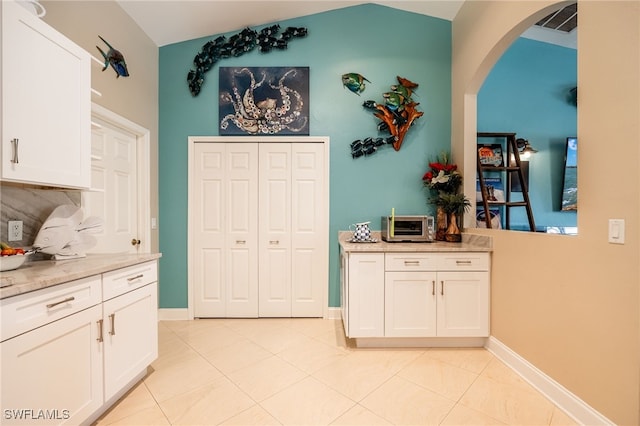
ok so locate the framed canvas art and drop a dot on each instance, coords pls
(264, 101)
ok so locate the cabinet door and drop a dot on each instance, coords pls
(275, 230)
(410, 304)
(130, 336)
(463, 304)
(366, 295)
(46, 103)
(225, 230)
(53, 371)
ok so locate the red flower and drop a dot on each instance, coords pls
(427, 176)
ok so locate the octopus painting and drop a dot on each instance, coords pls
(264, 101)
(397, 113)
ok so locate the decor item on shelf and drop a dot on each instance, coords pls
(354, 82)
(237, 45)
(442, 180)
(264, 100)
(114, 58)
(490, 154)
(397, 114)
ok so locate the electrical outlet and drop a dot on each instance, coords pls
(14, 229)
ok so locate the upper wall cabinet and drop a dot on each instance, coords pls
(46, 103)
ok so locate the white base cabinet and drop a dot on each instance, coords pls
(415, 295)
(69, 350)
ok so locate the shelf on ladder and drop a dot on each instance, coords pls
(507, 169)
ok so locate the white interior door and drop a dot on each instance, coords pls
(114, 193)
(275, 230)
(224, 230)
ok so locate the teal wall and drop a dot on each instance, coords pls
(378, 42)
(526, 93)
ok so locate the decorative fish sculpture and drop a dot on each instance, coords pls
(114, 58)
(394, 100)
(354, 82)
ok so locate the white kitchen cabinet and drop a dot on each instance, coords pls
(415, 295)
(70, 350)
(130, 321)
(258, 227)
(130, 336)
(51, 359)
(364, 292)
(46, 103)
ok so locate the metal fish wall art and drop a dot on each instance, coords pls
(114, 58)
(397, 113)
(266, 40)
(354, 82)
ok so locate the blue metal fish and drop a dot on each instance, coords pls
(354, 82)
(114, 58)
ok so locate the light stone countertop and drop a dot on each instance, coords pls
(40, 274)
(470, 243)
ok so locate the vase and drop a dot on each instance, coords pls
(441, 224)
(453, 233)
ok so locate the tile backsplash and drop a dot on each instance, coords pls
(32, 206)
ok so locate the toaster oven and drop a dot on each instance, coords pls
(413, 229)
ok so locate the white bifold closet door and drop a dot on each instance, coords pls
(259, 229)
(225, 230)
(291, 253)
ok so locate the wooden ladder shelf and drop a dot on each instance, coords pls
(508, 167)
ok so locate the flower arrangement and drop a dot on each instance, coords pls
(443, 180)
(443, 176)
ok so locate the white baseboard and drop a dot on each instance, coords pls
(573, 406)
(177, 314)
(334, 313)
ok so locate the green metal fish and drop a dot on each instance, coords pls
(354, 82)
(393, 100)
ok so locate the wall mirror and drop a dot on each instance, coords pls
(532, 91)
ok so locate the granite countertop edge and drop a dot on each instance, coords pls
(40, 274)
(470, 243)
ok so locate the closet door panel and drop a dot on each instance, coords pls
(242, 228)
(308, 210)
(275, 230)
(208, 231)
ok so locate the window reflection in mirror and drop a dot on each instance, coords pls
(531, 92)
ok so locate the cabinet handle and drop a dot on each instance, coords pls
(433, 287)
(135, 278)
(15, 150)
(412, 262)
(135, 242)
(274, 242)
(68, 299)
(463, 262)
(112, 319)
(441, 288)
(241, 241)
(99, 322)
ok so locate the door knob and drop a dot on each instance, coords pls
(135, 242)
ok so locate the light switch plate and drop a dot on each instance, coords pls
(616, 231)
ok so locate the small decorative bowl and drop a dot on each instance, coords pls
(9, 263)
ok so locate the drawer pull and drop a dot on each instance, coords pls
(112, 319)
(442, 288)
(68, 299)
(463, 262)
(99, 339)
(274, 242)
(411, 263)
(241, 241)
(135, 278)
(14, 160)
(433, 287)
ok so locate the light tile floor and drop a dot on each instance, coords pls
(304, 372)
